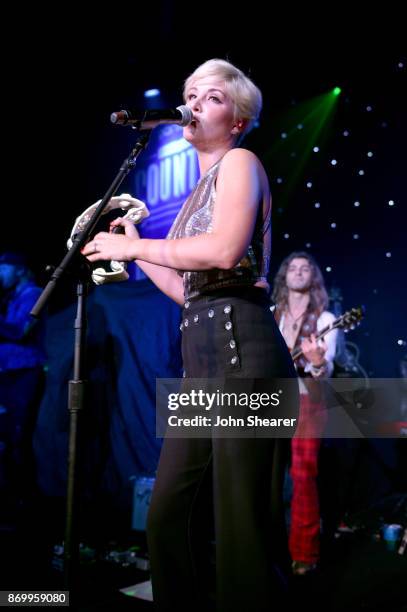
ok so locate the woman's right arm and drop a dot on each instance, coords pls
(166, 279)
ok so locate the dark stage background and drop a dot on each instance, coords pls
(344, 203)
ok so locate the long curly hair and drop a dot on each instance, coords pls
(318, 294)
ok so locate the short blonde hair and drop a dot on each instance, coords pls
(245, 95)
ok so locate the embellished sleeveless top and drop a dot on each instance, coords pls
(195, 218)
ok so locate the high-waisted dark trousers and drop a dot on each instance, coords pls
(233, 486)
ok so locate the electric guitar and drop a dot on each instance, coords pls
(349, 320)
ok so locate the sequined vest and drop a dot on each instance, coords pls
(195, 218)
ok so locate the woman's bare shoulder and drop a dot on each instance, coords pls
(239, 154)
(240, 160)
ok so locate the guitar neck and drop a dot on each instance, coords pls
(346, 321)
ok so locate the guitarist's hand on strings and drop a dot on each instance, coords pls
(314, 350)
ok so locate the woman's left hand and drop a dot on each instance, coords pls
(107, 246)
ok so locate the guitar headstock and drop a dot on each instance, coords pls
(351, 318)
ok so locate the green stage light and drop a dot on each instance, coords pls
(337, 91)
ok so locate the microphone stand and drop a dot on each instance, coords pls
(77, 384)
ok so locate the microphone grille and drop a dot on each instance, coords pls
(186, 113)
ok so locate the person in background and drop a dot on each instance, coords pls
(301, 311)
(22, 359)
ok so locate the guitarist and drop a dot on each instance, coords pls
(301, 301)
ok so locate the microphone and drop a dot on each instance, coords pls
(148, 119)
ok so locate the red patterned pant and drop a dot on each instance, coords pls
(305, 516)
